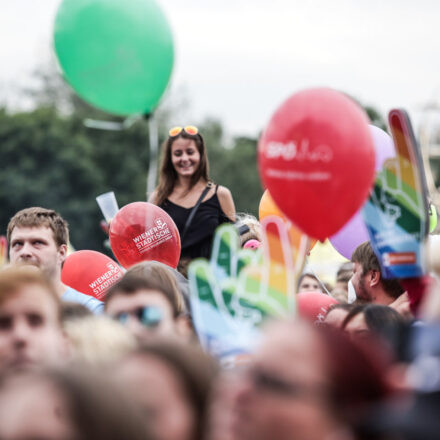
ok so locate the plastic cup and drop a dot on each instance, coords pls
(108, 204)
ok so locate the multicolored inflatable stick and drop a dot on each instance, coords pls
(396, 213)
(3, 251)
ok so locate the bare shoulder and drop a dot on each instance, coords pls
(153, 197)
(224, 192)
(226, 202)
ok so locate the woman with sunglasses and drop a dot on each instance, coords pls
(187, 194)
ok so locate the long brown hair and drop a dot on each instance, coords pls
(168, 175)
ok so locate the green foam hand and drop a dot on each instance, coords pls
(396, 214)
(237, 289)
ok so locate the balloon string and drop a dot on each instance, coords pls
(319, 281)
(152, 156)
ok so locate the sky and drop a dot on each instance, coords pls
(238, 60)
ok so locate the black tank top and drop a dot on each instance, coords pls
(198, 239)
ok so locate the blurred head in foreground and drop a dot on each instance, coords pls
(30, 323)
(66, 405)
(97, 340)
(306, 383)
(170, 382)
(336, 314)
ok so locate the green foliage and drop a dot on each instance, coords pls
(235, 167)
(49, 158)
(375, 117)
(53, 161)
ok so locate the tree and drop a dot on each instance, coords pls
(48, 163)
(376, 117)
(56, 162)
(53, 160)
(234, 167)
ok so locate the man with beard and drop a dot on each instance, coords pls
(367, 281)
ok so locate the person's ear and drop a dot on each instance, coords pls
(62, 252)
(374, 278)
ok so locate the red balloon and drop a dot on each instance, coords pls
(91, 273)
(142, 231)
(316, 158)
(313, 306)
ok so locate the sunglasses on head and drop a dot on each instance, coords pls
(189, 129)
(243, 229)
(149, 316)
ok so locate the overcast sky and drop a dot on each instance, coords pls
(239, 59)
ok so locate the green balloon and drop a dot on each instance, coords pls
(116, 54)
(432, 218)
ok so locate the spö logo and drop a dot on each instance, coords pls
(301, 152)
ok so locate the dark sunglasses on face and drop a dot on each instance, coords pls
(149, 316)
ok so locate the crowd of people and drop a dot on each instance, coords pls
(131, 367)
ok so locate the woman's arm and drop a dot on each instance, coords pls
(226, 202)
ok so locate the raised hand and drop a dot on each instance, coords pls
(236, 290)
(396, 212)
(270, 284)
(218, 314)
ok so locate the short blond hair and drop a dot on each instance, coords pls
(98, 340)
(35, 217)
(13, 278)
